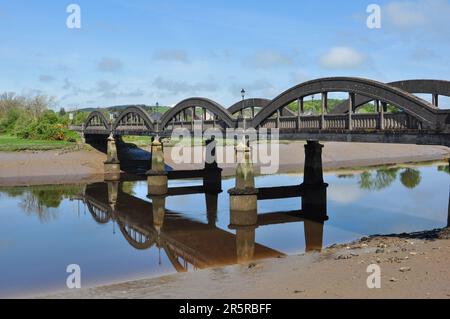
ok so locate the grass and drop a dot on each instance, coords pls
(11, 143)
(144, 141)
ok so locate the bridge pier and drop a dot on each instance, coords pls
(245, 224)
(314, 198)
(112, 164)
(113, 190)
(313, 235)
(157, 178)
(159, 210)
(243, 197)
(212, 178)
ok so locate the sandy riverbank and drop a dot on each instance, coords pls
(412, 266)
(58, 167)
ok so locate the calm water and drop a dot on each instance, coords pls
(44, 229)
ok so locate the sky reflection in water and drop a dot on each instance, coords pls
(43, 229)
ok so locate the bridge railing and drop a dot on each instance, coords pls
(395, 121)
(365, 121)
(338, 121)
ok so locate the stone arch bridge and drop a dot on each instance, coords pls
(417, 121)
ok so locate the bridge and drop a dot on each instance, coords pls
(417, 121)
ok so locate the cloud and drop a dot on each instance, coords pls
(422, 54)
(111, 90)
(45, 78)
(431, 15)
(269, 59)
(182, 87)
(109, 65)
(344, 194)
(342, 58)
(171, 56)
(298, 77)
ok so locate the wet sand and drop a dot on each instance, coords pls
(59, 167)
(412, 266)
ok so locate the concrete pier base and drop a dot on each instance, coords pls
(245, 224)
(243, 197)
(245, 244)
(112, 164)
(113, 190)
(159, 210)
(157, 179)
(313, 235)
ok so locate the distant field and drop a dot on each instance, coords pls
(10, 143)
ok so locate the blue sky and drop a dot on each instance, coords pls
(136, 51)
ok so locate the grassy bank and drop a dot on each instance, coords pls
(11, 143)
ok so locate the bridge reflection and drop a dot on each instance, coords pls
(189, 243)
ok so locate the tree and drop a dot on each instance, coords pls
(62, 111)
(410, 178)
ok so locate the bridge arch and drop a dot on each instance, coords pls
(128, 232)
(136, 111)
(222, 113)
(256, 103)
(96, 119)
(248, 103)
(99, 215)
(437, 87)
(411, 104)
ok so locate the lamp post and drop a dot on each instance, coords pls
(243, 97)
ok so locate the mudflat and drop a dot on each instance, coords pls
(58, 167)
(411, 266)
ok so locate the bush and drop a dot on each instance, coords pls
(48, 126)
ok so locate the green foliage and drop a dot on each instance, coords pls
(39, 200)
(80, 117)
(31, 119)
(444, 168)
(314, 106)
(410, 178)
(383, 178)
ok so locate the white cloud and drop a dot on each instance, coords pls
(342, 58)
(45, 78)
(269, 59)
(431, 15)
(171, 56)
(109, 65)
(183, 87)
(344, 194)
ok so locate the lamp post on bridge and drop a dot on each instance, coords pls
(243, 98)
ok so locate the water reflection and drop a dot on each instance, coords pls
(171, 231)
(40, 200)
(188, 243)
(383, 178)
